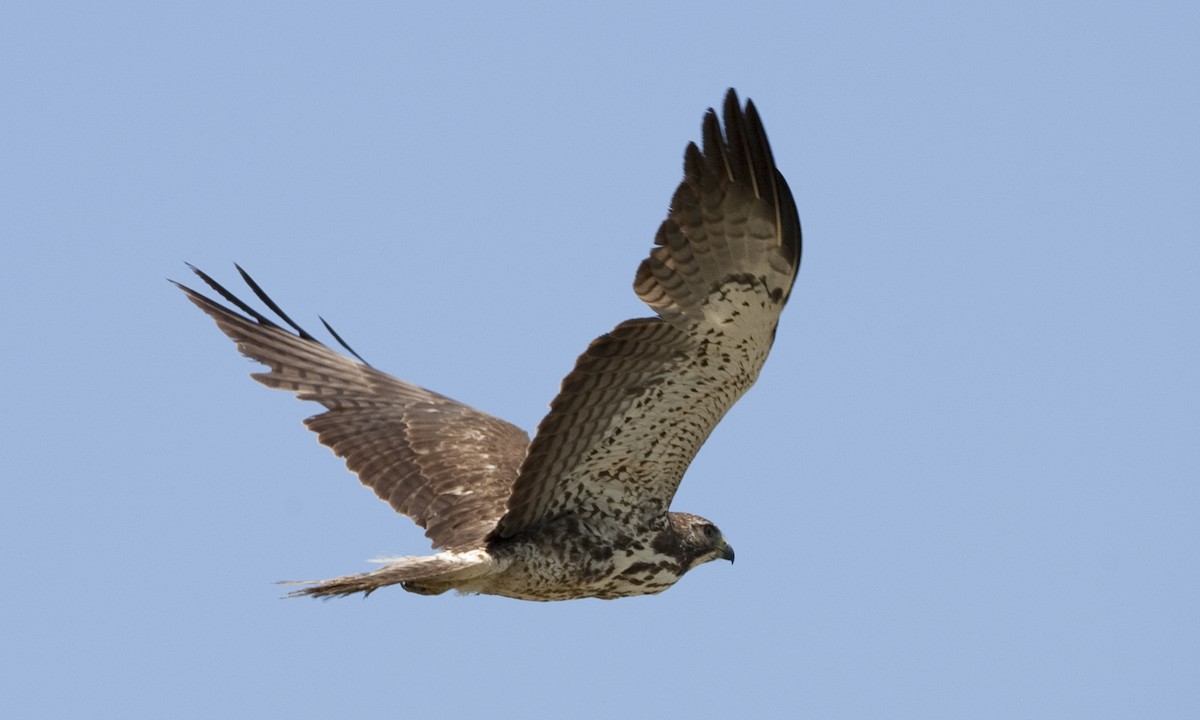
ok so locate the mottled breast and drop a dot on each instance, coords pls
(572, 558)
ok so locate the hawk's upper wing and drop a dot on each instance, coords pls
(447, 466)
(643, 398)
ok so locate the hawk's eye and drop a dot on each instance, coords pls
(709, 531)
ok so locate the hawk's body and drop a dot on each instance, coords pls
(582, 510)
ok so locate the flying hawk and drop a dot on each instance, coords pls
(582, 510)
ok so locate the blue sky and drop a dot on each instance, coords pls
(965, 485)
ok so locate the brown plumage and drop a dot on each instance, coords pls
(582, 511)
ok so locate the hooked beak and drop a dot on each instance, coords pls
(726, 552)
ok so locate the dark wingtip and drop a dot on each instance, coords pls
(220, 289)
(250, 311)
(262, 295)
(342, 342)
(764, 171)
(731, 101)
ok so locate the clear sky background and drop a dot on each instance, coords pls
(967, 483)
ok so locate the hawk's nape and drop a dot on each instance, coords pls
(583, 510)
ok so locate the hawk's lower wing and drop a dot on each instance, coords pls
(447, 466)
(643, 398)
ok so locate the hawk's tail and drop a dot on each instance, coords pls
(426, 575)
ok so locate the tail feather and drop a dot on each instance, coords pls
(427, 575)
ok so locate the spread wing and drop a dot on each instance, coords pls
(642, 399)
(447, 466)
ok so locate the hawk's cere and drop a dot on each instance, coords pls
(582, 510)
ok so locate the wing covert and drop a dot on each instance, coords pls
(643, 398)
(446, 465)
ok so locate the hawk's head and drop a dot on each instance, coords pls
(699, 539)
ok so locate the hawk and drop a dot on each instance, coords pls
(582, 510)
